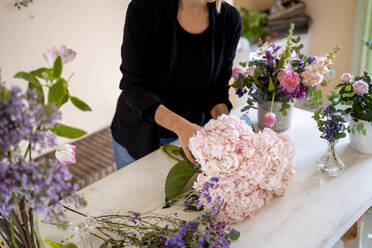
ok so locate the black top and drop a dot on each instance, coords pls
(164, 64)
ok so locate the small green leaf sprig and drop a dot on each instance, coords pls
(52, 88)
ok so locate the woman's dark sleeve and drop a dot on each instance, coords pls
(220, 92)
(134, 54)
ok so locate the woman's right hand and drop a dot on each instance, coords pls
(180, 126)
(184, 132)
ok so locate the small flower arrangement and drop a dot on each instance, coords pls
(247, 168)
(279, 75)
(356, 94)
(331, 123)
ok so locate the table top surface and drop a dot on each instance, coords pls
(315, 212)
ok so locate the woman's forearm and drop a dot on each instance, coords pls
(168, 119)
(182, 127)
(218, 110)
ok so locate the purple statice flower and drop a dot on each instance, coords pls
(269, 56)
(240, 92)
(332, 125)
(22, 119)
(275, 47)
(134, 217)
(42, 184)
(310, 60)
(298, 93)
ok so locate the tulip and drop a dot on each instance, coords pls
(269, 119)
(50, 56)
(65, 53)
(66, 154)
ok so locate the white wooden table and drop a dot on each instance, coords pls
(315, 212)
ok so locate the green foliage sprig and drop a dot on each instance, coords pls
(56, 92)
(253, 24)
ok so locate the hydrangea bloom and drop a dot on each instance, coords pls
(251, 167)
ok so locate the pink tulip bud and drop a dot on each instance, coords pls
(66, 154)
(269, 119)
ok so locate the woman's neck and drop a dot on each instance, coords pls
(193, 5)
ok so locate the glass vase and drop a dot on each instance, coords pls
(330, 164)
(83, 228)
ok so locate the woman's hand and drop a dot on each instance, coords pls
(184, 133)
(180, 126)
(218, 110)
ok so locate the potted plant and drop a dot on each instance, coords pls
(277, 77)
(355, 93)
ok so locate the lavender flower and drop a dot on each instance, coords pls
(41, 184)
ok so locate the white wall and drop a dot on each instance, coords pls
(93, 28)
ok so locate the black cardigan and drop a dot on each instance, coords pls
(147, 62)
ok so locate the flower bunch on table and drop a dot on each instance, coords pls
(29, 125)
(352, 99)
(281, 75)
(247, 168)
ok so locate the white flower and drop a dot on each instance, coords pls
(66, 154)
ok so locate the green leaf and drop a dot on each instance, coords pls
(80, 104)
(235, 236)
(67, 96)
(70, 245)
(57, 93)
(57, 67)
(348, 88)
(33, 83)
(271, 85)
(177, 179)
(68, 132)
(53, 244)
(43, 73)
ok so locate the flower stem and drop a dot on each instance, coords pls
(272, 102)
(12, 233)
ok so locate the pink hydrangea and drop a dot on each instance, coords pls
(360, 87)
(289, 79)
(251, 167)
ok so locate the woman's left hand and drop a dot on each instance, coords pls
(218, 110)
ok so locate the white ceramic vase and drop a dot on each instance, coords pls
(359, 142)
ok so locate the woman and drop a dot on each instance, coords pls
(176, 62)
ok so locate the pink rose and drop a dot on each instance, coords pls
(289, 79)
(360, 87)
(347, 77)
(235, 73)
(269, 119)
